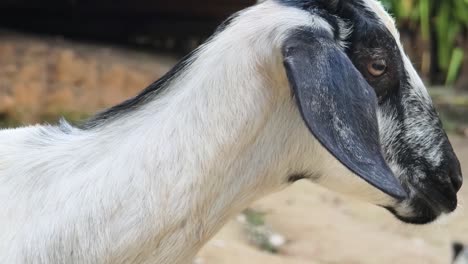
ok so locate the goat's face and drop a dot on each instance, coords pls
(381, 119)
(413, 140)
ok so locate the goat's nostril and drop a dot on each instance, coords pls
(456, 178)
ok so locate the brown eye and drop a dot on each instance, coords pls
(377, 68)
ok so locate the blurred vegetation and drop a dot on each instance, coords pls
(8, 121)
(259, 233)
(442, 26)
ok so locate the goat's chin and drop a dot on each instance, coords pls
(422, 219)
(416, 212)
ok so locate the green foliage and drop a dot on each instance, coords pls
(10, 121)
(7, 122)
(449, 18)
(72, 117)
(254, 218)
(258, 232)
(455, 64)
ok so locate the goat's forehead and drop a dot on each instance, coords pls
(382, 14)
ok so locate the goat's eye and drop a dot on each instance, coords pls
(377, 67)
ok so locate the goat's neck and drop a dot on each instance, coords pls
(201, 151)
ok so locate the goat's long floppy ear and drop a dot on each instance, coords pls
(338, 106)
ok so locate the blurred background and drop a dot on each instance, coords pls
(71, 58)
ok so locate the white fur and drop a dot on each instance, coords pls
(155, 184)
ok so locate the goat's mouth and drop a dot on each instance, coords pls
(425, 205)
(417, 212)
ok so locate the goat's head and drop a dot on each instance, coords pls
(361, 98)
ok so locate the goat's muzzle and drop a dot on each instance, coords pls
(434, 195)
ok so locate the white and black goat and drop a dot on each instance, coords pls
(285, 90)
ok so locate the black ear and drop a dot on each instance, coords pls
(338, 106)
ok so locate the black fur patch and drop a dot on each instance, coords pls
(306, 5)
(324, 8)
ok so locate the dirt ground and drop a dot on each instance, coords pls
(40, 77)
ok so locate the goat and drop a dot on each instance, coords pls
(284, 90)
